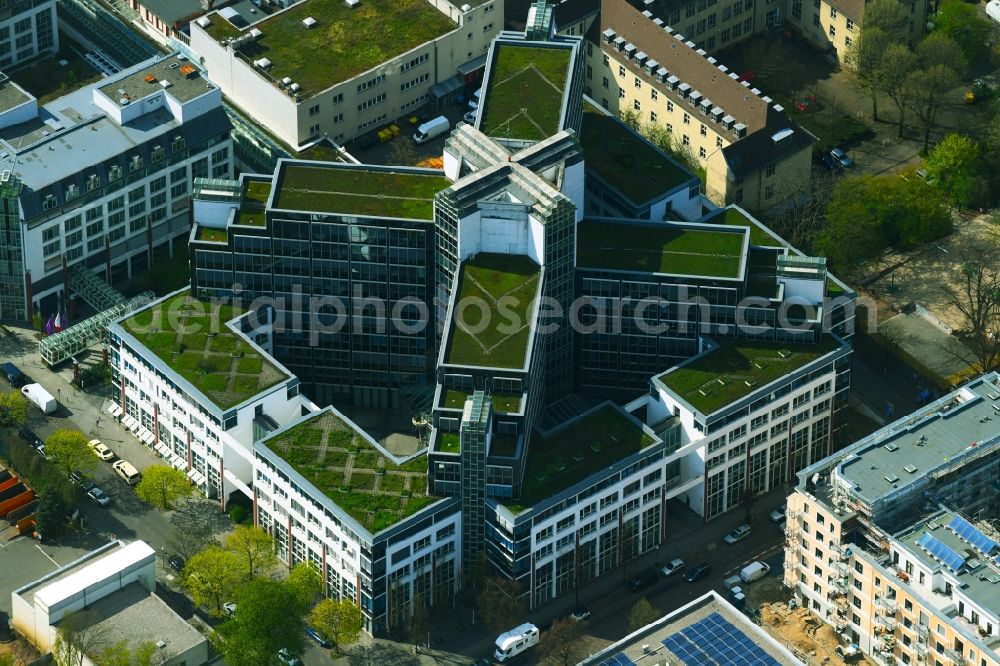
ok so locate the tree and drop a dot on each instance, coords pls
(162, 485)
(642, 613)
(561, 645)
(976, 294)
(893, 67)
(13, 408)
(953, 165)
(339, 620)
(940, 49)
(926, 90)
(961, 22)
(51, 514)
(380, 654)
(268, 619)
(418, 624)
(195, 523)
(212, 576)
(888, 16)
(77, 635)
(500, 600)
(254, 546)
(306, 585)
(120, 655)
(863, 57)
(69, 451)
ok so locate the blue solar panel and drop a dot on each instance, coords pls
(618, 660)
(714, 641)
(940, 551)
(968, 532)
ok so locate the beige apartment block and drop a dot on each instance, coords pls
(833, 26)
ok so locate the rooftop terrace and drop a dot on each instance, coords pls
(729, 372)
(626, 161)
(498, 338)
(659, 248)
(343, 43)
(352, 473)
(192, 339)
(525, 93)
(185, 82)
(358, 191)
(597, 440)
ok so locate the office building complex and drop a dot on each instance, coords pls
(894, 541)
(27, 29)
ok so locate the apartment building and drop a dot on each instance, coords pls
(833, 25)
(894, 538)
(330, 69)
(27, 29)
(101, 177)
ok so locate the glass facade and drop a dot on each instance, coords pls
(12, 296)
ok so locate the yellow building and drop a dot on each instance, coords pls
(833, 26)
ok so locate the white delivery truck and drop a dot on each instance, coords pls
(42, 398)
(516, 641)
(993, 10)
(432, 128)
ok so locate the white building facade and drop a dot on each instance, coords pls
(28, 30)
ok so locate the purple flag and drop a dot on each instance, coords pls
(50, 325)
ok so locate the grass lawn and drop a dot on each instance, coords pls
(587, 446)
(257, 192)
(253, 218)
(352, 473)
(524, 96)
(733, 217)
(344, 42)
(47, 80)
(730, 372)
(191, 338)
(214, 235)
(492, 318)
(627, 162)
(659, 248)
(359, 191)
(449, 442)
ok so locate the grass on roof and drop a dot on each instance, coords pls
(359, 191)
(732, 371)
(596, 441)
(47, 80)
(501, 403)
(321, 152)
(449, 442)
(352, 473)
(525, 93)
(253, 218)
(214, 235)
(257, 192)
(344, 42)
(734, 218)
(493, 314)
(627, 162)
(192, 338)
(659, 248)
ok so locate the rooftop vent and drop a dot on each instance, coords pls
(255, 33)
(911, 469)
(309, 21)
(351, 4)
(294, 87)
(203, 21)
(262, 63)
(161, 644)
(165, 84)
(891, 478)
(287, 81)
(891, 447)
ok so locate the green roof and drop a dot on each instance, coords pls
(453, 399)
(500, 288)
(626, 162)
(353, 474)
(215, 235)
(358, 191)
(344, 42)
(192, 338)
(594, 442)
(659, 248)
(525, 92)
(721, 376)
(47, 80)
(734, 217)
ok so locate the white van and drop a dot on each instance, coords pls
(130, 474)
(474, 100)
(993, 10)
(432, 128)
(40, 397)
(516, 641)
(754, 571)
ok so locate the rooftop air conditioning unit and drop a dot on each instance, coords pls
(255, 33)
(351, 4)
(165, 84)
(262, 63)
(287, 81)
(309, 22)
(466, 8)
(294, 87)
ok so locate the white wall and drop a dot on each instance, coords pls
(19, 114)
(213, 214)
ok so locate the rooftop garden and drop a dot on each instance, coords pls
(213, 235)
(449, 442)
(257, 191)
(492, 318)
(586, 446)
(524, 96)
(47, 80)
(626, 162)
(253, 218)
(191, 337)
(734, 218)
(320, 152)
(726, 374)
(374, 193)
(353, 474)
(453, 399)
(343, 43)
(659, 248)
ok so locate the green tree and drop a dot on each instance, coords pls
(78, 635)
(254, 546)
(940, 49)
(641, 614)
(268, 619)
(13, 408)
(961, 22)
(380, 654)
(338, 619)
(68, 451)
(52, 512)
(953, 164)
(500, 600)
(888, 16)
(212, 577)
(162, 485)
(927, 89)
(306, 585)
(561, 645)
(894, 66)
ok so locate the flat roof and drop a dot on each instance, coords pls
(626, 161)
(732, 370)
(524, 96)
(578, 449)
(708, 630)
(192, 339)
(351, 472)
(735, 217)
(47, 78)
(184, 81)
(507, 286)
(343, 43)
(82, 574)
(11, 94)
(339, 188)
(660, 248)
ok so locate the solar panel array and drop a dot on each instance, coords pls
(940, 551)
(713, 641)
(617, 660)
(968, 532)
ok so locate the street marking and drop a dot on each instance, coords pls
(46, 555)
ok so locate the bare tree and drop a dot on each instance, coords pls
(78, 635)
(562, 642)
(976, 294)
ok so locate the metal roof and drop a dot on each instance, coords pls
(75, 580)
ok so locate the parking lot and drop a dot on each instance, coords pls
(403, 150)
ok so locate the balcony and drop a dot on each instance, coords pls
(889, 606)
(955, 657)
(888, 622)
(921, 630)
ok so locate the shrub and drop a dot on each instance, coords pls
(238, 514)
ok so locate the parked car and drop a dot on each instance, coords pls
(317, 636)
(76, 477)
(778, 514)
(176, 562)
(672, 567)
(97, 496)
(30, 438)
(841, 158)
(13, 375)
(697, 572)
(580, 613)
(100, 450)
(642, 580)
(470, 117)
(737, 535)
(286, 657)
